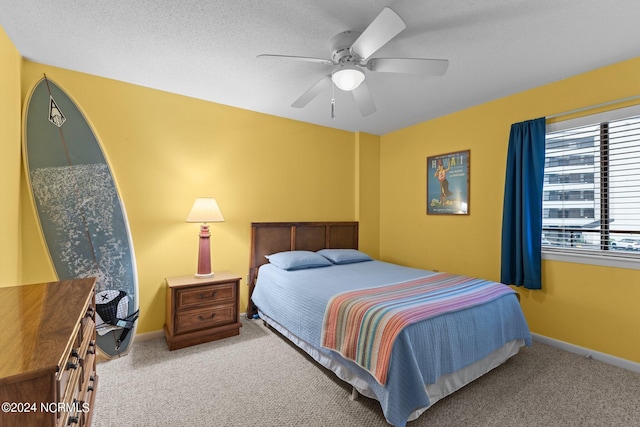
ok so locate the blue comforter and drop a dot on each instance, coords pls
(422, 352)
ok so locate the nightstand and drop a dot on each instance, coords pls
(201, 310)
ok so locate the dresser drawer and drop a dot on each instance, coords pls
(88, 324)
(69, 364)
(205, 295)
(205, 318)
(54, 344)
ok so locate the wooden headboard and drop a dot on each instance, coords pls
(271, 237)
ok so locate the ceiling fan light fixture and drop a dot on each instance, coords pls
(348, 78)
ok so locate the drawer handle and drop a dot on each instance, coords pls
(89, 312)
(74, 353)
(213, 294)
(206, 318)
(72, 365)
(72, 418)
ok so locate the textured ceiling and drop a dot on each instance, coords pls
(207, 49)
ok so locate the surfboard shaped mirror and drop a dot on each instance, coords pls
(80, 212)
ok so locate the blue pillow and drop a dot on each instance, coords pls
(344, 256)
(297, 260)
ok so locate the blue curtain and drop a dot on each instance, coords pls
(522, 213)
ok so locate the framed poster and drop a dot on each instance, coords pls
(448, 184)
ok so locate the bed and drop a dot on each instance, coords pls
(434, 332)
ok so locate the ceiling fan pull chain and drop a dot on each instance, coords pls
(333, 101)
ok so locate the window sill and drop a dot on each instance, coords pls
(629, 261)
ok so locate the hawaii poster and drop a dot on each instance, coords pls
(448, 184)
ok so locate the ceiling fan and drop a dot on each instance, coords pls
(351, 55)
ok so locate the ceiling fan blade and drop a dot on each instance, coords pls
(298, 58)
(363, 98)
(434, 67)
(313, 91)
(386, 26)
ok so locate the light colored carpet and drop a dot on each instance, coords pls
(260, 379)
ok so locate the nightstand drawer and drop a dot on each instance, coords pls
(207, 295)
(205, 318)
(201, 309)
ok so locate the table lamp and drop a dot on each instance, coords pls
(204, 211)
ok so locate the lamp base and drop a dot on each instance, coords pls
(203, 276)
(204, 254)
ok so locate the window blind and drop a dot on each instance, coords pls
(591, 194)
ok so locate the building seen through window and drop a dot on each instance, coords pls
(591, 197)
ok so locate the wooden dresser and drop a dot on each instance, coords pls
(201, 310)
(47, 354)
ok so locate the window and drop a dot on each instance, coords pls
(591, 195)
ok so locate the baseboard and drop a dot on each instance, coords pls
(149, 335)
(592, 354)
(160, 333)
(582, 351)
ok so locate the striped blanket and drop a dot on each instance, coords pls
(362, 325)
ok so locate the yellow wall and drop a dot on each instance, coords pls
(10, 62)
(588, 306)
(367, 182)
(165, 150)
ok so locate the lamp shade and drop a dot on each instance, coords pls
(205, 209)
(348, 78)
